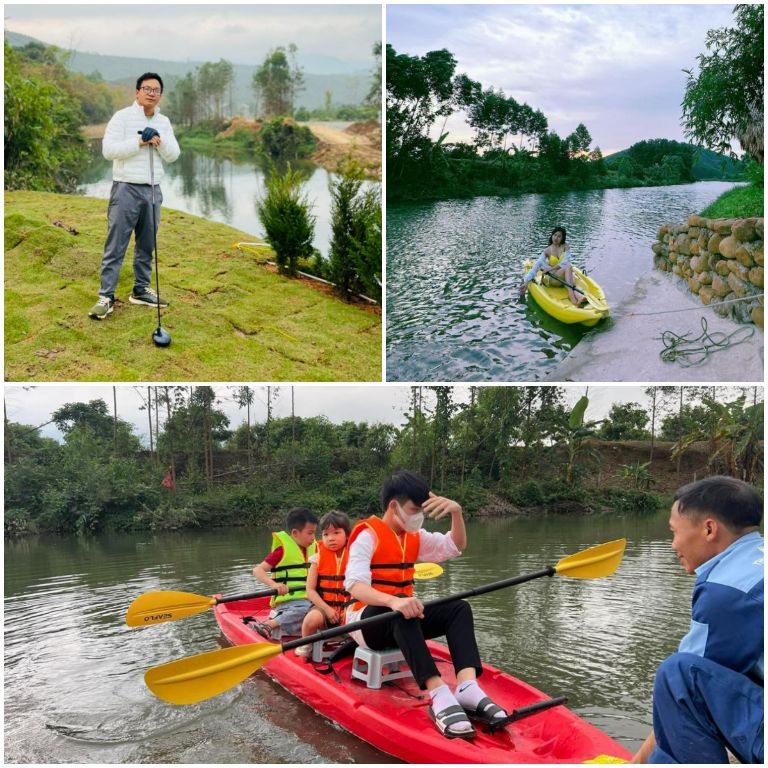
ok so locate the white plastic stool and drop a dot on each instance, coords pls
(322, 649)
(377, 667)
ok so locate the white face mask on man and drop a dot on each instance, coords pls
(411, 523)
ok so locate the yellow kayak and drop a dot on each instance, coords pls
(554, 300)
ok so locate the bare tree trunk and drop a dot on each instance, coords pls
(8, 450)
(114, 430)
(149, 416)
(293, 439)
(170, 440)
(157, 429)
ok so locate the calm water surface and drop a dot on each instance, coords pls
(74, 688)
(454, 268)
(221, 190)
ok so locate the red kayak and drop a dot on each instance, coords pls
(394, 718)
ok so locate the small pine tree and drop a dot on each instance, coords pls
(286, 215)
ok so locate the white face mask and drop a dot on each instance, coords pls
(411, 523)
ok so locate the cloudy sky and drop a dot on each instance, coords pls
(241, 34)
(381, 403)
(616, 68)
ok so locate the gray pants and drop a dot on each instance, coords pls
(130, 210)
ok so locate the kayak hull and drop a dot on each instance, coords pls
(394, 718)
(554, 299)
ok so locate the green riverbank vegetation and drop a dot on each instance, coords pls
(500, 451)
(231, 319)
(725, 101)
(513, 149)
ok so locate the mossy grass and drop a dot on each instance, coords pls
(231, 319)
(737, 203)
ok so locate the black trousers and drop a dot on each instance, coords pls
(454, 620)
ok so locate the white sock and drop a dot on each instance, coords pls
(469, 694)
(442, 698)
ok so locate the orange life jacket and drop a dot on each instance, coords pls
(330, 576)
(393, 558)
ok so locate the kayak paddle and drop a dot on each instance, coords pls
(200, 677)
(159, 607)
(597, 303)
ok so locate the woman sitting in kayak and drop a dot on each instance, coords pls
(325, 580)
(555, 259)
(379, 576)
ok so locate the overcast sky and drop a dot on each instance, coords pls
(615, 68)
(239, 33)
(381, 403)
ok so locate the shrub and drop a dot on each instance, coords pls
(285, 214)
(286, 140)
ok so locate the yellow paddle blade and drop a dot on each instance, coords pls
(201, 677)
(604, 759)
(595, 301)
(593, 563)
(427, 570)
(158, 607)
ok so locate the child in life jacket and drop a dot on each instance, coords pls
(325, 582)
(379, 577)
(285, 569)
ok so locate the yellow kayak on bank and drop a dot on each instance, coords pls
(553, 298)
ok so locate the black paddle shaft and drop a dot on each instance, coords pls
(249, 596)
(567, 285)
(381, 618)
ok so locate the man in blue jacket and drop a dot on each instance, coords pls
(708, 697)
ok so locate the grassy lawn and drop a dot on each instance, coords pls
(737, 203)
(230, 318)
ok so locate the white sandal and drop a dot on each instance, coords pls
(447, 718)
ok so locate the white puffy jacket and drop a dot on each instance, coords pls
(121, 145)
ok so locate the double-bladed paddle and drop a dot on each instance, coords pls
(196, 678)
(159, 607)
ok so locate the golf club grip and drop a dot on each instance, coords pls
(381, 618)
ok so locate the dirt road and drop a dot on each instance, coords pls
(362, 141)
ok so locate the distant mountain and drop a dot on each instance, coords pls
(348, 82)
(709, 165)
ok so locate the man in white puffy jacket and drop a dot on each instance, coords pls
(127, 141)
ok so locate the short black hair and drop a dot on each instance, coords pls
(298, 517)
(150, 76)
(733, 502)
(403, 486)
(558, 229)
(336, 519)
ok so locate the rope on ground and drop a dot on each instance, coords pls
(689, 352)
(696, 308)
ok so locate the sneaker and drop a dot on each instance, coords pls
(101, 308)
(146, 296)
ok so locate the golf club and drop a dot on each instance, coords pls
(161, 337)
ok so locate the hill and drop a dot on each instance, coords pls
(707, 166)
(348, 82)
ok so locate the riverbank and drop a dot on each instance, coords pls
(627, 347)
(230, 318)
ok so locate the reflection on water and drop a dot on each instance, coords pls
(221, 189)
(73, 670)
(454, 268)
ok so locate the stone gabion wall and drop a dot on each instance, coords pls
(721, 259)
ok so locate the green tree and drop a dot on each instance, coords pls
(44, 149)
(285, 214)
(355, 250)
(724, 100)
(277, 81)
(374, 94)
(626, 421)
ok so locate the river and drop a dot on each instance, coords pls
(221, 189)
(74, 689)
(454, 268)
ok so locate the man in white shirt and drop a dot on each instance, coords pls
(379, 576)
(127, 141)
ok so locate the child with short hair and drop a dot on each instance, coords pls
(285, 570)
(325, 581)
